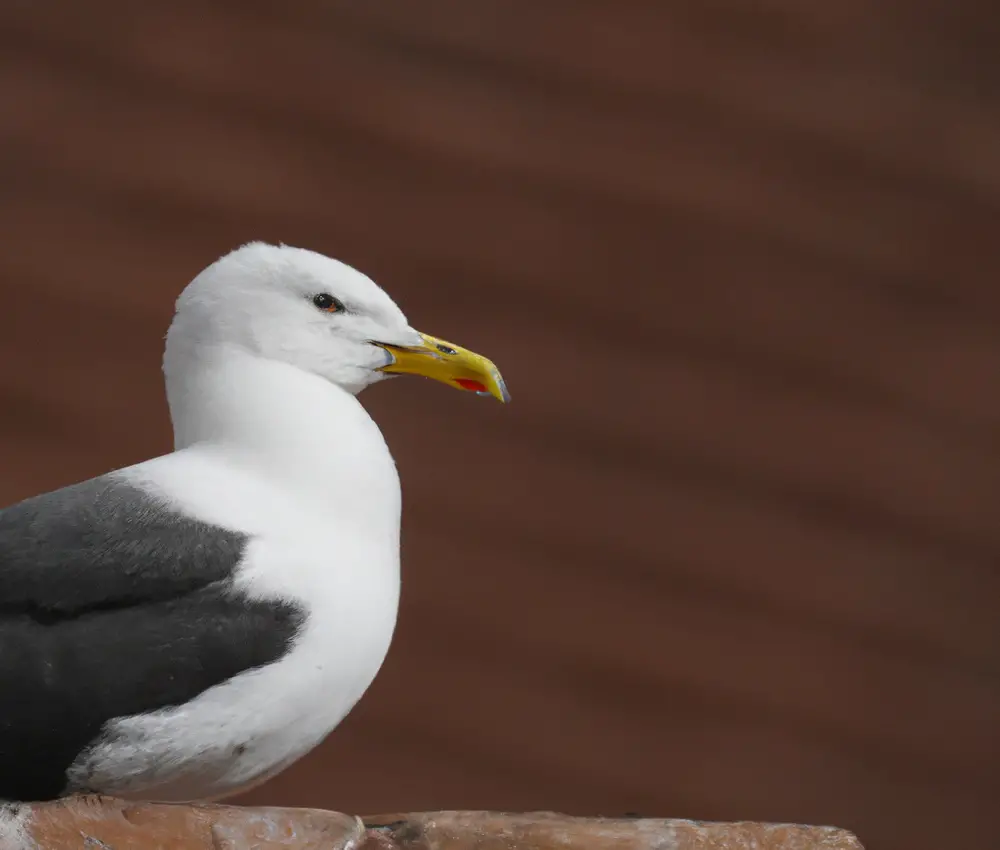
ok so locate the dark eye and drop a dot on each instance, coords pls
(326, 302)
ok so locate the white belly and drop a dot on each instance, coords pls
(243, 731)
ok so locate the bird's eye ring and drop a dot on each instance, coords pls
(327, 303)
(444, 349)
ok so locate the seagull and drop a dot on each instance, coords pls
(185, 628)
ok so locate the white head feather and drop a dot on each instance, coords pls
(260, 298)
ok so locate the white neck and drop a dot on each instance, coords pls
(299, 430)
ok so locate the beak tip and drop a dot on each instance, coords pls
(501, 393)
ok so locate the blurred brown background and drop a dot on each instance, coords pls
(732, 552)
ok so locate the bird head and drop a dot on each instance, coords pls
(321, 315)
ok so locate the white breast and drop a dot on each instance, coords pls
(344, 574)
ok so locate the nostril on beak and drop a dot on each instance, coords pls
(444, 349)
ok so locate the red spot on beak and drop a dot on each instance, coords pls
(470, 385)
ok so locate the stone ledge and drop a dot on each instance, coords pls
(91, 823)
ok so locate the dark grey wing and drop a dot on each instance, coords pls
(106, 542)
(114, 604)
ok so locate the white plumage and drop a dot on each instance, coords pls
(271, 445)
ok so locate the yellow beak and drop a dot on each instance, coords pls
(449, 363)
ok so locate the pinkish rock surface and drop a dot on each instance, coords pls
(92, 823)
